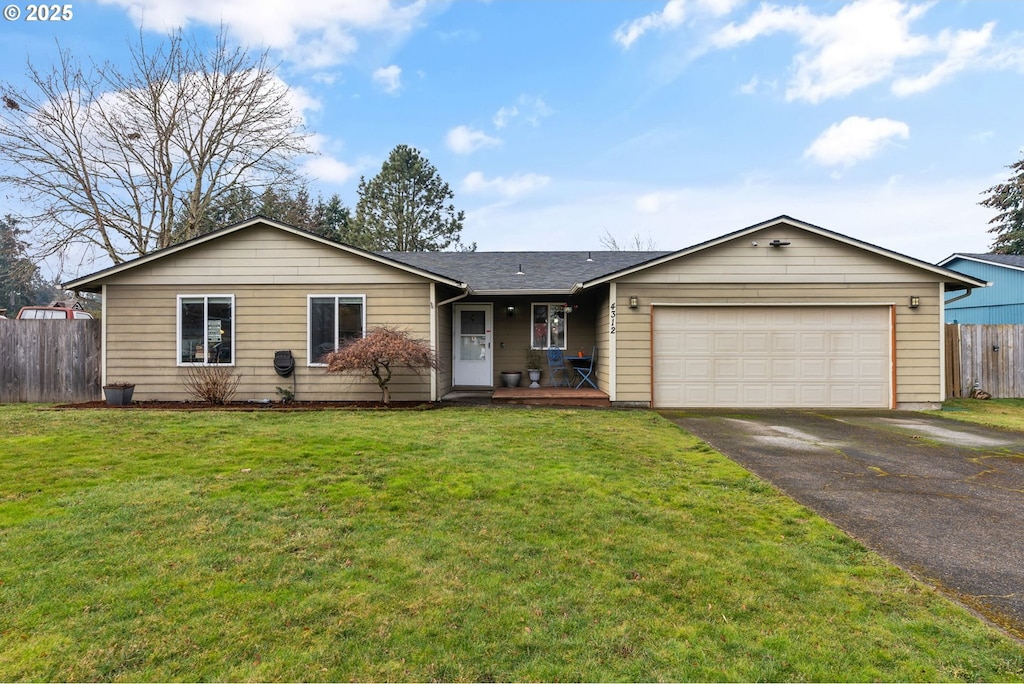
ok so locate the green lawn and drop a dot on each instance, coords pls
(1003, 413)
(456, 544)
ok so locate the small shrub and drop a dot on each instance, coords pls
(287, 396)
(379, 353)
(212, 384)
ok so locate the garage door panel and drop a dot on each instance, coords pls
(799, 356)
(757, 369)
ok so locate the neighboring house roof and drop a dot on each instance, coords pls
(90, 283)
(1015, 261)
(490, 273)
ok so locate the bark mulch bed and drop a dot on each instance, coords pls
(255, 406)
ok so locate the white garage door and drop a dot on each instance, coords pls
(772, 356)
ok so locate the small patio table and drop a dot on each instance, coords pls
(582, 369)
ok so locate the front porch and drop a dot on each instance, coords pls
(524, 396)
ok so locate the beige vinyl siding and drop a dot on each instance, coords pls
(603, 339)
(444, 349)
(263, 255)
(811, 270)
(270, 274)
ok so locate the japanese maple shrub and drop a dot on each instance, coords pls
(379, 353)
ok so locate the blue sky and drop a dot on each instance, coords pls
(556, 123)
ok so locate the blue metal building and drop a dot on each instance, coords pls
(1001, 302)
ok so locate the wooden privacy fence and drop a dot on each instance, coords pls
(989, 357)
(49, 361)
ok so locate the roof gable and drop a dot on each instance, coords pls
(92, 282)
(952, 279)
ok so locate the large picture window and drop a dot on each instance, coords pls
(206, 329)
(549, 324)
(333, 320)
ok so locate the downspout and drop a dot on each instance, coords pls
(457, 297)
(103, 335)
(959, 297)
(434, 307)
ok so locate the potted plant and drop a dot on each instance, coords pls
(511, 378)
(534, 362)
(119, 393)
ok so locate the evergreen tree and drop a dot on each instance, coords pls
(20, 281)
(1008, 200)
(332, 220)
(407, 207)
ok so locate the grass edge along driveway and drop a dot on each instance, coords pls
(458, 544)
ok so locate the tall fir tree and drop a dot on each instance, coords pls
(1008, 200)
(407, 207)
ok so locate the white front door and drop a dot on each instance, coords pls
(473, 363)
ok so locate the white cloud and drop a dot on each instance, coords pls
(863, 43)
(672, 15)
(465, 140)
(854, 139)
(389, 78)
(504, 115)
(327, 169)
(750, 87)
(307, 36)
(963, 49)
(531, 108)
(512, 186)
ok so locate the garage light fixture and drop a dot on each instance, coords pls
(634, 301)
(915, 301)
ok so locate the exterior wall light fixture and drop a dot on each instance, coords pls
(634, 301)
(915, 301)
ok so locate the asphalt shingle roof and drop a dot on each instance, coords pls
(540, 271)
(1007, 259)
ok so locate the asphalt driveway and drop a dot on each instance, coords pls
(943, 499)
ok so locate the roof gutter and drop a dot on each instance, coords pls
(457, 297)
(959, 297)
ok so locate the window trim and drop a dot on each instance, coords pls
(206, 316)
(565, 319)
(310, 362)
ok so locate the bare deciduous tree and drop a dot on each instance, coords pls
(128, 159)
(637, 243)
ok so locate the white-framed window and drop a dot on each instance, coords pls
(549, 325)
(206, 329)
(332, 321)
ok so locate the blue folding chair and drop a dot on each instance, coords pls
(556, 366)
(585, 373)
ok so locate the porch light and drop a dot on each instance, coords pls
(915, 301)
(510, 311)
(634, 301)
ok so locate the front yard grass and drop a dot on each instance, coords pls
(1003, 413)
(458, 544)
